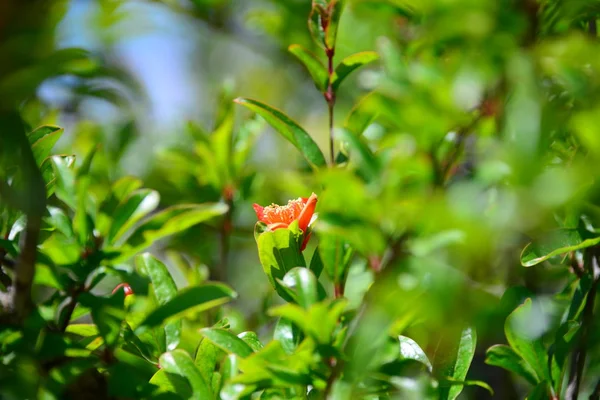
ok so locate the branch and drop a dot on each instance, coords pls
(30, 198)
(579, 355)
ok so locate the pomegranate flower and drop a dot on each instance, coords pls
(277, 217)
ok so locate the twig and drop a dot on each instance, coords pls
(461, 135)
(69, 309)
(336, 369)
(330, 98)
(25, 268)
(225, 235)
(579, 355)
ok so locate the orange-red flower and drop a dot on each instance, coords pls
(277, 217)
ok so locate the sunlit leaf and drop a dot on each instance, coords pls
(289, 129)
(559, 242)
(196, 299)
(350, 64)
(315, 67)
(165, 290)
(178, 362)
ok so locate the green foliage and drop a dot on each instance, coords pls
(469, 136)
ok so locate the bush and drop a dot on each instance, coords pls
(445, 243)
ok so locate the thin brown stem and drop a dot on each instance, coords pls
(330, 98)
(25, 268)
(225, 235)
(68, 313)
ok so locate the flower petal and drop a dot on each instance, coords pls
(277, 225)
(307, 212)
(259, 210)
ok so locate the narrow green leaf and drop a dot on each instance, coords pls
(458, 370)
(316, 264)
(251, 340)
(164, 289)
(524, 343)
(42, 147)
(361, 115)
(350, 64)
(65, 180)
(39, 132)
(315, 67)
(227, 341)
(287, 334)
(180, 363)
(410, 350)
(289, 129)
(136, 206)
(453, 382)
(196, 299)
(303, 284)
(336, 255)
(367, 162)
(169, 222)
(558, 242)
(108, 314)
(60, 221)
(84, 330)
(171, 383)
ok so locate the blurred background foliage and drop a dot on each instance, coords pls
(474, 134)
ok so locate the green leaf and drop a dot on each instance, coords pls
(315, 67)
(303, 284)
(451, 383)
(323, 22)
(336, 255)
(279, 252)
(251, 340)
(289, 129)
(287, 334)
(504, 357)
(316, 264)
(39, 132)
(539, 392)
(227, 341)
(366, 160)
(108, 314)
(362, 115)
(410, 350)
(524, 342)
(171, 383)
(65, 180)
(458, 371)
(193, 299)
(84, 330)
(60, 221)
(136, 206)
(179, 362)
(46, 136)
(164, 289)
(350, 64)
(558, 242)
(169, 222)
